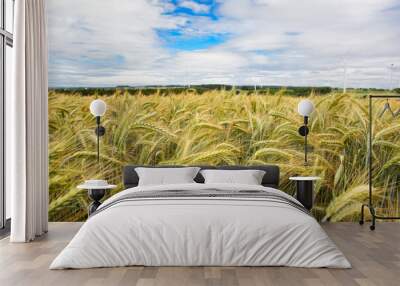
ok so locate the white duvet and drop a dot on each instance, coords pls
(200, 231)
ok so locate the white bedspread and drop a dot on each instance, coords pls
(200, 231)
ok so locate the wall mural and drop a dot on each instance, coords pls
(211, 82)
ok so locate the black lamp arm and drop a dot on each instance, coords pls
(303, 131)
(100, 131)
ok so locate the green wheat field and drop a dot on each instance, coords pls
(226, 128)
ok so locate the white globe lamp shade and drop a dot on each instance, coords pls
(305, 107)
(98, 107)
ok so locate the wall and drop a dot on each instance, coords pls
(222, 127)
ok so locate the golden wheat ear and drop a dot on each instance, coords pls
(222, 127)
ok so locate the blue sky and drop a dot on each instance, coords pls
(207, 8)
(271, 42)
(179, 39)
(175, 40)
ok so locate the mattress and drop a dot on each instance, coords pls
(201, 225)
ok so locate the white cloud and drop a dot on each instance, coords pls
(194, 6)
(101, 42)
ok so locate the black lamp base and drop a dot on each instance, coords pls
(96, 195)
(305, 193)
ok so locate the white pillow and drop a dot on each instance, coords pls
(248, 177)
(166, 176)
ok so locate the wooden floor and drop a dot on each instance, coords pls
(375, 257)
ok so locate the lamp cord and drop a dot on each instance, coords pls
(305, 139)
(98, 146)
(98, 139)
(305, 148)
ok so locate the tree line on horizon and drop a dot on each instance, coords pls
(200, 89)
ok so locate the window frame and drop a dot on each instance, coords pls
(6, 39)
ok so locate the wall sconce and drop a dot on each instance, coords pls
(98, 107)
(305, 108)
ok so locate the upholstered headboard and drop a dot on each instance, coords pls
(271, 177)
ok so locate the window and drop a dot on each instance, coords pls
(6, 43)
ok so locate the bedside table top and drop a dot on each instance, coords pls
(304, 178)
(91, 187)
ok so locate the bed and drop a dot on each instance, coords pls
(198, 224)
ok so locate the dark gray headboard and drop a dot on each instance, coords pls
(271, 177)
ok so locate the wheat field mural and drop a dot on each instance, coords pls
(224, 128)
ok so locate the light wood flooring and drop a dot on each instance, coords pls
(375, 257)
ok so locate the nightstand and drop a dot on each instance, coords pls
(304, 193)
(96, 193)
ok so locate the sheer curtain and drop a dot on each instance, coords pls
(27, 124)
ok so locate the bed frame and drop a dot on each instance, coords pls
(270, 179)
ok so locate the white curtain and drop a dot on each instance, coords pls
(27, 124)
